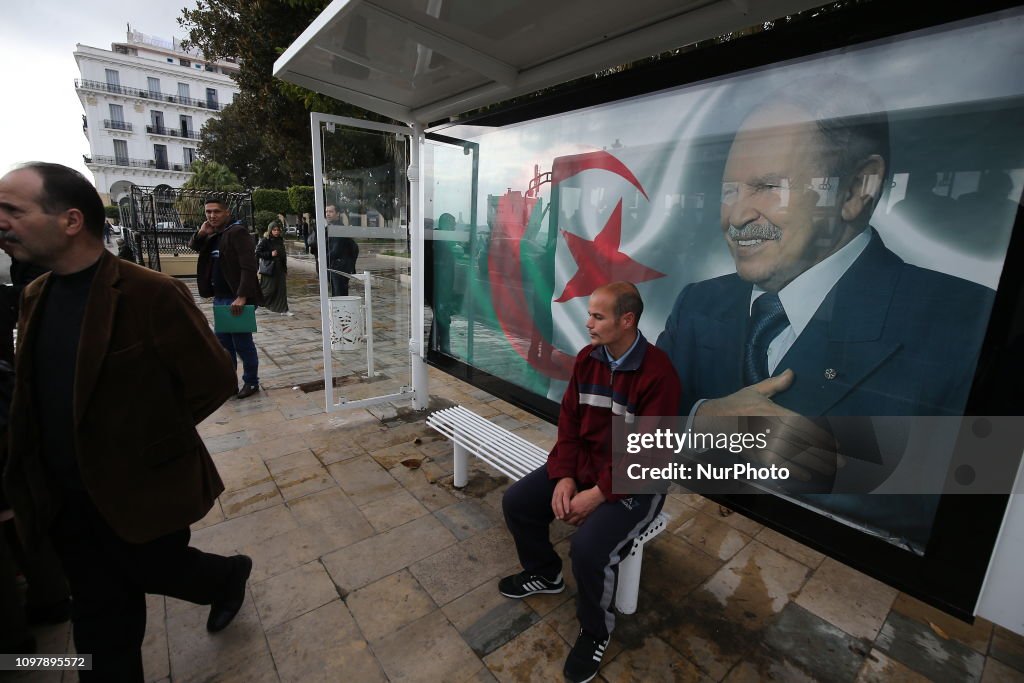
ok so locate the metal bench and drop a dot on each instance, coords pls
(515, 457)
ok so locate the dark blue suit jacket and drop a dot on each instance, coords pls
(901, 340)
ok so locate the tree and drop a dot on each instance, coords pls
(112, 212)
(302, 199)
(264, 135)
(210, 175)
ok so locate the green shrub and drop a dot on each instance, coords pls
(262, 218)
(271, 200)
(112, 212)
(301, 199)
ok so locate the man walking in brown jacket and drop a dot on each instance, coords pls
(115, 366)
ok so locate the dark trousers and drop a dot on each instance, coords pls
(109, 580)
(596, 548)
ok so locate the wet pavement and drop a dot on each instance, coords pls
(370, 566)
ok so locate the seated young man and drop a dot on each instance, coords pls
(619, 374)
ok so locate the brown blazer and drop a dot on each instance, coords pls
(149, 370)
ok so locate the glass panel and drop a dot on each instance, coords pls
(183, 90)
(120, 152)
(877, 201)
(160, 155)
(113, 77)
(116, 113)
(211, 98)
(154, 86)
(366, 219)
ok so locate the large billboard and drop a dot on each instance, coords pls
(867, 195)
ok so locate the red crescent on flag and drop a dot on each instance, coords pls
(505, 268)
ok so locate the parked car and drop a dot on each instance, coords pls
(291, 231)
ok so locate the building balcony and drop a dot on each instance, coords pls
(173, 132)
(136, 163)
(144, 94)
(117, 125)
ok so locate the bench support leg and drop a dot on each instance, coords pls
(461, 477)
(629, 581)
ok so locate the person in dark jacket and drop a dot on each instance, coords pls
(274, 269)
(227, 271)
(342, 252)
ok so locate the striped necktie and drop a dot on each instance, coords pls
(767, 319)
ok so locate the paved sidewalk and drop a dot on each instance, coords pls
(369, 566)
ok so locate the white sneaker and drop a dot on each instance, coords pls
(288, 313)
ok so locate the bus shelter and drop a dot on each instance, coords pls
(506, 219)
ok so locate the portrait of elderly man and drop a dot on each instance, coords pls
(820, 317)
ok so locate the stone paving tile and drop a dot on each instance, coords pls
(394, 510)
(293, 461)
(303, 481)
(401, 653)
(287, 551)
(378, 556)
(917, 646)
(1008, 647)
(847, 598)
(457, 569)
(976, 636)
(243, 501)
(196, 655)
(405, 598)
(332, 512)
(712, 536)
(790, 548)
(363, 480)
(996, 672)
(756, 584)
(224, 538)
(654, 662)
(293, 593)
(811, 645)
(323, 645)
(672, 568)
(226, 442)
(537, 654)
(487, 619)
(734, 519)
(214, 516)
(426, 489)
(881, 669)
(468, 517)
(240, 469)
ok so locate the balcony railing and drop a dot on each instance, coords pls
(147, 94)
(172, 132)
(136, 163)
(117, 125)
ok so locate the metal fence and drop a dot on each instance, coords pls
(161, 220)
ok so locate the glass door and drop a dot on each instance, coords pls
(364, 258)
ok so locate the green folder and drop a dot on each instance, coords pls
(223, 321)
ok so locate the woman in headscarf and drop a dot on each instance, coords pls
(274, 269)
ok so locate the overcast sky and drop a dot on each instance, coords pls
(41, 117)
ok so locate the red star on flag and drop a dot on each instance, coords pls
(599, 260)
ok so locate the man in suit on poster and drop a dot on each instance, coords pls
(820, 317)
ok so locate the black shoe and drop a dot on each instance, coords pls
(54, 613)
(224, 608)
(584, 659)
(524, 583)
(247, 390)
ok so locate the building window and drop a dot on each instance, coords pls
(154, 86)
(188, 155)
(183, 91)
(211, 98)
(185, 62)
(157, 117)
(170, 60)
(185, 123)
(120, 152)
(116, 113)
(160, 155)
(113, 78)
(234, 97)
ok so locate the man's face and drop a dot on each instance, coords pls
(774, 180)
(331, 213)
(29, 233)
(216, 215)
(602, 325)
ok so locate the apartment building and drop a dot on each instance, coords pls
(146, 101)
